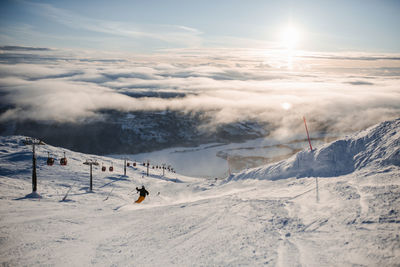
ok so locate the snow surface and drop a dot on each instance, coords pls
(273, 215)
(376, 147)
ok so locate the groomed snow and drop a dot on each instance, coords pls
(273, 215)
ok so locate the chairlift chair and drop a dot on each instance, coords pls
(111, 168)
(103, 168)
(63, 161)
(50, 161)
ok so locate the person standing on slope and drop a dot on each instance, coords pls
(143, 194)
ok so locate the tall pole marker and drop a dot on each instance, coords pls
(308, 136)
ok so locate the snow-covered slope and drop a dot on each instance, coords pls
(375, 147)
(350, 218)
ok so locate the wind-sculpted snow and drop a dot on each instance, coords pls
(374, 147)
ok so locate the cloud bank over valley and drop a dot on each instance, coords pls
(266, 91)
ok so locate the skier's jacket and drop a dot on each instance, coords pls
(143, 191)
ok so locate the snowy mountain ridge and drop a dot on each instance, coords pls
(377, 146)
(344, 220)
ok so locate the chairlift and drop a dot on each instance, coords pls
(144, 164)
(111, 168)
(50, 161)
(128, 164)
(103, 168)
(63, 161)
(134, 164)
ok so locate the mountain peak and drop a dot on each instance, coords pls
(377, 146)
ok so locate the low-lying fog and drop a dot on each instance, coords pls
(106, 103)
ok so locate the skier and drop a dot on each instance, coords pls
(143, 193)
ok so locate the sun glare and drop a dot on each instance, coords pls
(286, 106)
(290, 37)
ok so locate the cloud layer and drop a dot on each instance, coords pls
(336, 92)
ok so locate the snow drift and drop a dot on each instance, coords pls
(376, 146)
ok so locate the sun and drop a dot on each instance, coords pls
(286, 105)
(290, 37)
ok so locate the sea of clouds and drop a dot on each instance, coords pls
(337, 92)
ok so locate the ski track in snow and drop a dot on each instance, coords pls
(194, 222)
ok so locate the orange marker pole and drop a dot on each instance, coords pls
(308, 136)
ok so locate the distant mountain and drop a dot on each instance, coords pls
(136, 132)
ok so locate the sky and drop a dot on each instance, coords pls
(148, 26)
(336, 62)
